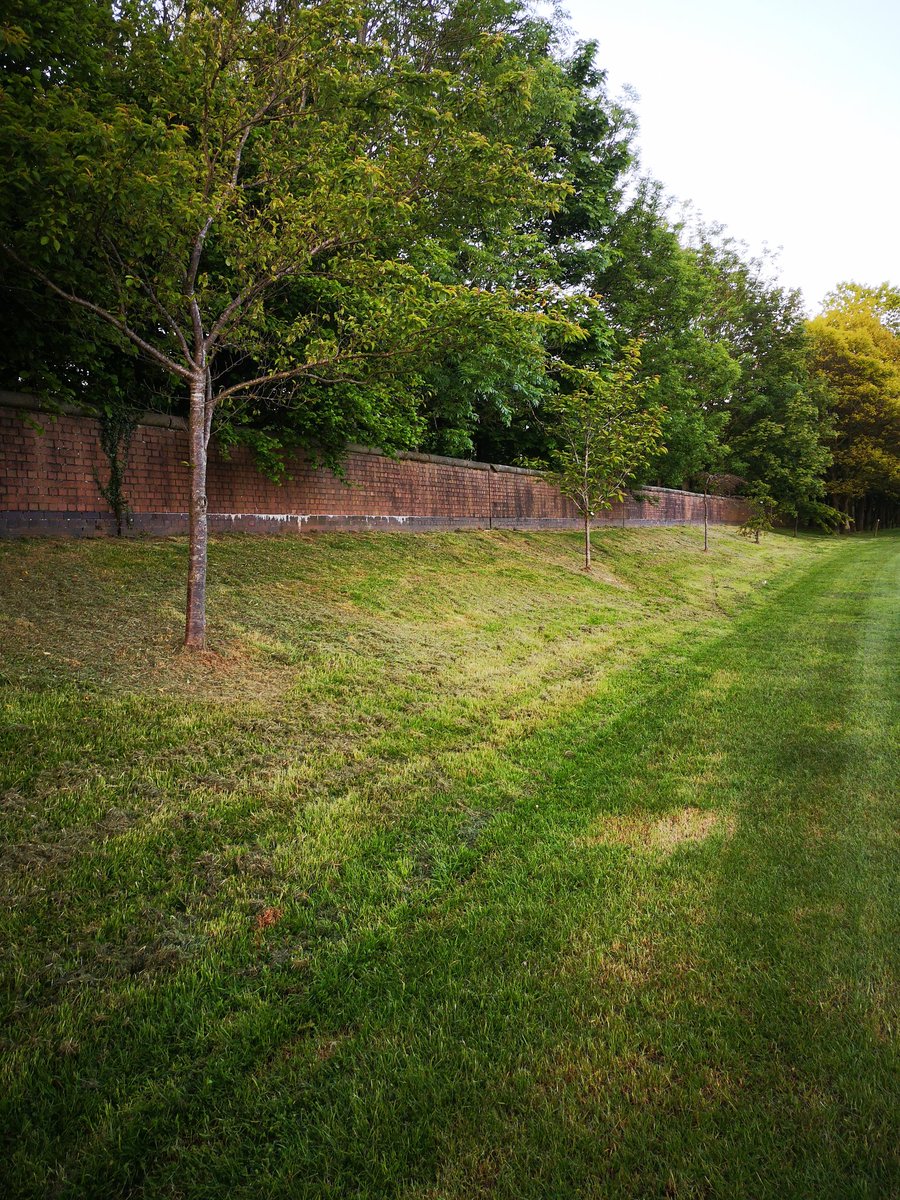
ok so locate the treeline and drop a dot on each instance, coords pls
(408, 223)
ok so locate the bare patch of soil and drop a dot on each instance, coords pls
(667, 833)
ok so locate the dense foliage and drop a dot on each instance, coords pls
(856, 357)
(305, 223)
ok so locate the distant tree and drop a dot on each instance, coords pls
(856, 359)
(787, 451)
(776, 422)
(656, 288)
(482, 396)
(602, 435)
(253, 195)
(882, 302)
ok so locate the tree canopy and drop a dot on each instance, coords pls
(856, 360)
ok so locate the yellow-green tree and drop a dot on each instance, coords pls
(856, 358)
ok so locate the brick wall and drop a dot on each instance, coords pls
(49, 467)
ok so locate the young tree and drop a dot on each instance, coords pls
(762, 512)
(716, 483)
(253, 194)
(602, 432)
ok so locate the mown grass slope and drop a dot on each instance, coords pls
(451, 871)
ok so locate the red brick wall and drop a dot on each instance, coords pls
(49, 465)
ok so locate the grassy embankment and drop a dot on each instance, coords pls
(453, 872)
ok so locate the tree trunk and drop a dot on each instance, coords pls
(195, 624)
(796, 524)
(587, 542)
(705, 521)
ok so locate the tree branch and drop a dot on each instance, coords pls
(157, 355)
(256, 289)
(173, 325)
(307, 369)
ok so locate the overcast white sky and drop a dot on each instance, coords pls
(778, 118)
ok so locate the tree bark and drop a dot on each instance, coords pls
(587, 542)
(195, 623)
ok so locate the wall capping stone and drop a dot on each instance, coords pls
(30, 403)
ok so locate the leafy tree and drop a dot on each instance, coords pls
(856, 359)
(776, 431)
(787, 452)
(657, 289)
(253, 195)
(855, 299)
(486, 397)
(51, 349)
(602, 435)
(730, 352)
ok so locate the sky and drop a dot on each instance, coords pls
(778, 118)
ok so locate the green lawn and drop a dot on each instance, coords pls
(451, 872)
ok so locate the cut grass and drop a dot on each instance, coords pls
(451, 872)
